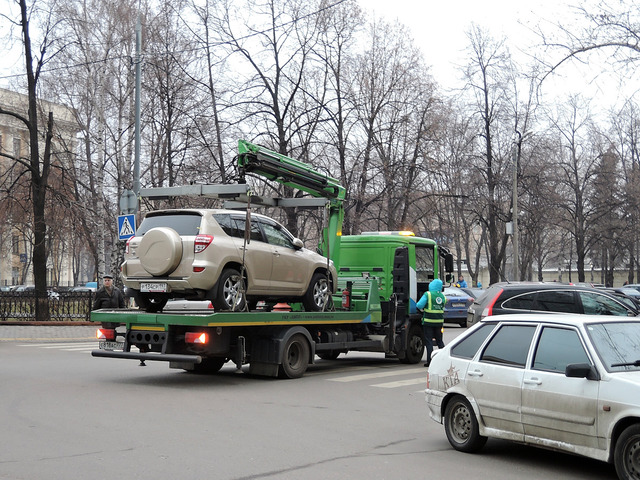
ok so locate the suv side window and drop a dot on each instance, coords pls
(468, 347)
(595, 304)
(510, 345)
(275, 236)
(556, 301)
(228, 225)
(557, 348)
(235, 226)
(520, 302)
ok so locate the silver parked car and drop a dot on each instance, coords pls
(566, 382)
(198, 254)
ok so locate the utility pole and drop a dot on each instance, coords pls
(516, 254)
(136, 164)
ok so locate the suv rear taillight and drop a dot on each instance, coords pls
(202, 242)
(488, 310)
(126, 248)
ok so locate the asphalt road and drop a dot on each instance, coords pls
(67, 415)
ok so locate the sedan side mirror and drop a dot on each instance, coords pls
(581, 370)
(297, 243)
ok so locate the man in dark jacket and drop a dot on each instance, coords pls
(108, 296)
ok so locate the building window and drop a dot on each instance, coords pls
(16, 147)
(16, 245)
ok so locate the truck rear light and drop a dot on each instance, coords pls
(201, 242)
(106, 334)
(196, 337)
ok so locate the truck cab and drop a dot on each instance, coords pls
(403, 263)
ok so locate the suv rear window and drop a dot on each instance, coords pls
(183, 223)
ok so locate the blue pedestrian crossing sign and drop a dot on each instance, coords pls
(126, 226)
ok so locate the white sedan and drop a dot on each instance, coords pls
(565, 382)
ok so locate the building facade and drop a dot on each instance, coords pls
(15, 195)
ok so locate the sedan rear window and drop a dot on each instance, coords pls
(468, 347)
(184, 223)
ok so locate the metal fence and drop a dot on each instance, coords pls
(63, 306)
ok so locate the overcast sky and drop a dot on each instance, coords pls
(439, 29)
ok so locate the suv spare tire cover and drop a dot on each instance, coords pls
(160, 251)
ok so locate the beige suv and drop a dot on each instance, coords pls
(199, 253)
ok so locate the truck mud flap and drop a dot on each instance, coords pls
(158, 357)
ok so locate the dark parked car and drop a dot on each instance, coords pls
(458, 302)
(473, 292)
(539, 297)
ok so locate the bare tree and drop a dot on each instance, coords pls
(39, 162)
(487, 77)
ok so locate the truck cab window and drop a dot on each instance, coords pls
(424, 264)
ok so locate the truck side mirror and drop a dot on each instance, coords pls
(448, 263)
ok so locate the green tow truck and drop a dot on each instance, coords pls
(380, 275)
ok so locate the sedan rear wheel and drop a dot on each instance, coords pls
(461, 426)
(627, 454)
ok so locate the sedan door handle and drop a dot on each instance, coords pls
(532, 381)
(475, 373)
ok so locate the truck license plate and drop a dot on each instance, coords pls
(153, 287)
(111, 345)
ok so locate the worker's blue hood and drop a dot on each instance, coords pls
(435, 286)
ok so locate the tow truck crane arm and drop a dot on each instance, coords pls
(292, 173)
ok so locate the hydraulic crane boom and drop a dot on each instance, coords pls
(292, 173)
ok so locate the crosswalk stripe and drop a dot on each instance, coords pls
(401, 383)
(369, 376)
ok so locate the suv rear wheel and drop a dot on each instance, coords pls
(318, 293)
(230, 291)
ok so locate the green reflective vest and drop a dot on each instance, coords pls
(433, 311)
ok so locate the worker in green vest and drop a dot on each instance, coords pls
(432, 306)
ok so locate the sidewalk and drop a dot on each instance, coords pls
(47, 333)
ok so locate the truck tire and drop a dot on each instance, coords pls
(295, 357)
(160, 251)
(625, 456)
(318, 293)
(230, 291)
(415, 345)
